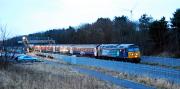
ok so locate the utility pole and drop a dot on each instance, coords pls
(131, 10)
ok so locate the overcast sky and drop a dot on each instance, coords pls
(29, 16)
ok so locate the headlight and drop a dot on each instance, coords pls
(132, 54)
(136, 54)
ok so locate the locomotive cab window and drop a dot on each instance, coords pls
(133, 49)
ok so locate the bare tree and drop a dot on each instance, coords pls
(3, 47)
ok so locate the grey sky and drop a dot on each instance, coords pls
(29, 16)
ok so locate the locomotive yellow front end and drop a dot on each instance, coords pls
(134, 54)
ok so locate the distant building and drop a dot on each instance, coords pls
(39, 40)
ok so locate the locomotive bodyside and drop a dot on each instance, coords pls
(108, 50)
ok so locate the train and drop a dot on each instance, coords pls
(125, 52)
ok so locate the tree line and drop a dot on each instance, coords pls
(153, 36)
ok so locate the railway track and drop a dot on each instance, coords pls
(160, 60)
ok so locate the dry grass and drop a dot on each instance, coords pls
(5, 62)
(158, 83)
(44, 76)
